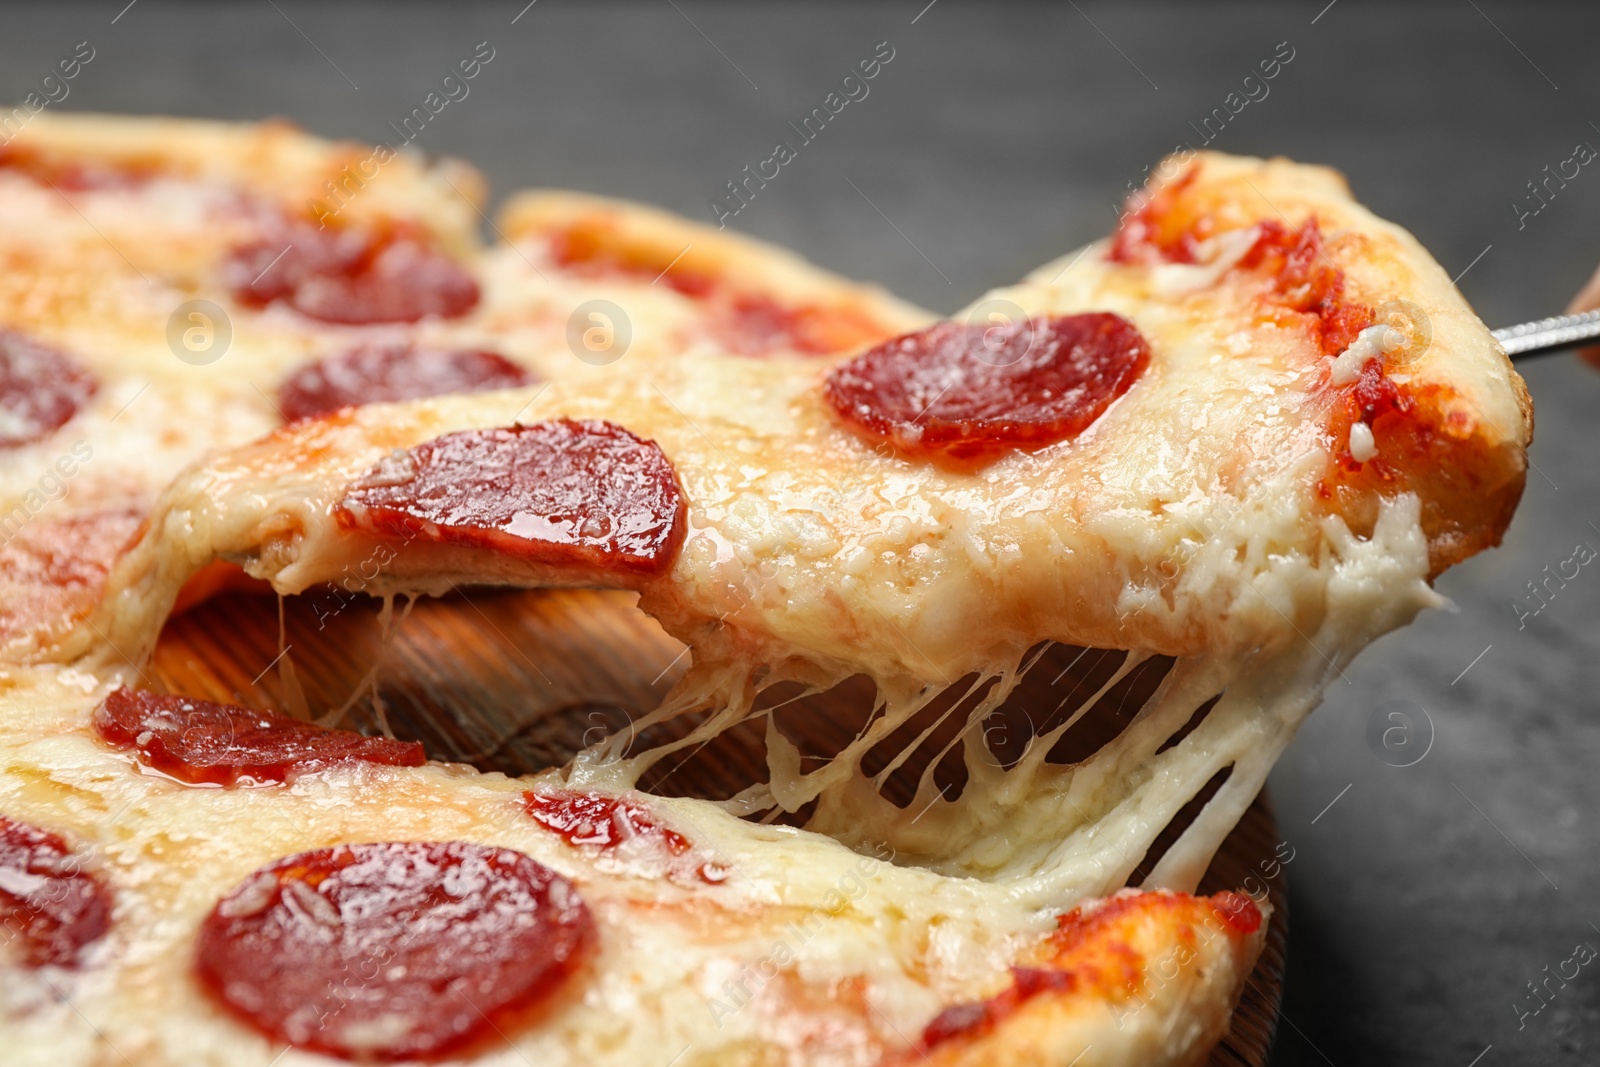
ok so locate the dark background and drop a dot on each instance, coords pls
(1426, 897)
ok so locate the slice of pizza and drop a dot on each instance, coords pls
(174, 287)
(1235, 443)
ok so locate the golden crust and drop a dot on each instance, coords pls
(1462, 446)
(278, 162)
(660, 244)
(1147, 979)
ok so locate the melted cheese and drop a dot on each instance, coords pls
(1185, 522)
(1363, 446)
(1370, 344)
(1217, 256)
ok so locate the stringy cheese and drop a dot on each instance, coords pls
(1050, 835)
(983, 875)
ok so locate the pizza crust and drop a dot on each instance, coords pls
(1156, 983)
(276, 161)
(669, 247)
(1474, 419)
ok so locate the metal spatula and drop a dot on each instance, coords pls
(1549, 335)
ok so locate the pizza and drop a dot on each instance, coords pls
(167, 289)
(1234, 442)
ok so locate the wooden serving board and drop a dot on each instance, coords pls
(517, 681)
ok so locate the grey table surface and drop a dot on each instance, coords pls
(1424, 898)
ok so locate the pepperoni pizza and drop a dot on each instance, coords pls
(165, 290)
(1237, 441)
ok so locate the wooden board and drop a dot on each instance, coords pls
(518, 681)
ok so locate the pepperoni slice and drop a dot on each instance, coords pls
(583, 494)
(969, 392)
(40, 389)
(53, 570)
(51, 909)
(350, 276)
(393, 950)
(200, 742)
(373, 374)
(601, 823)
